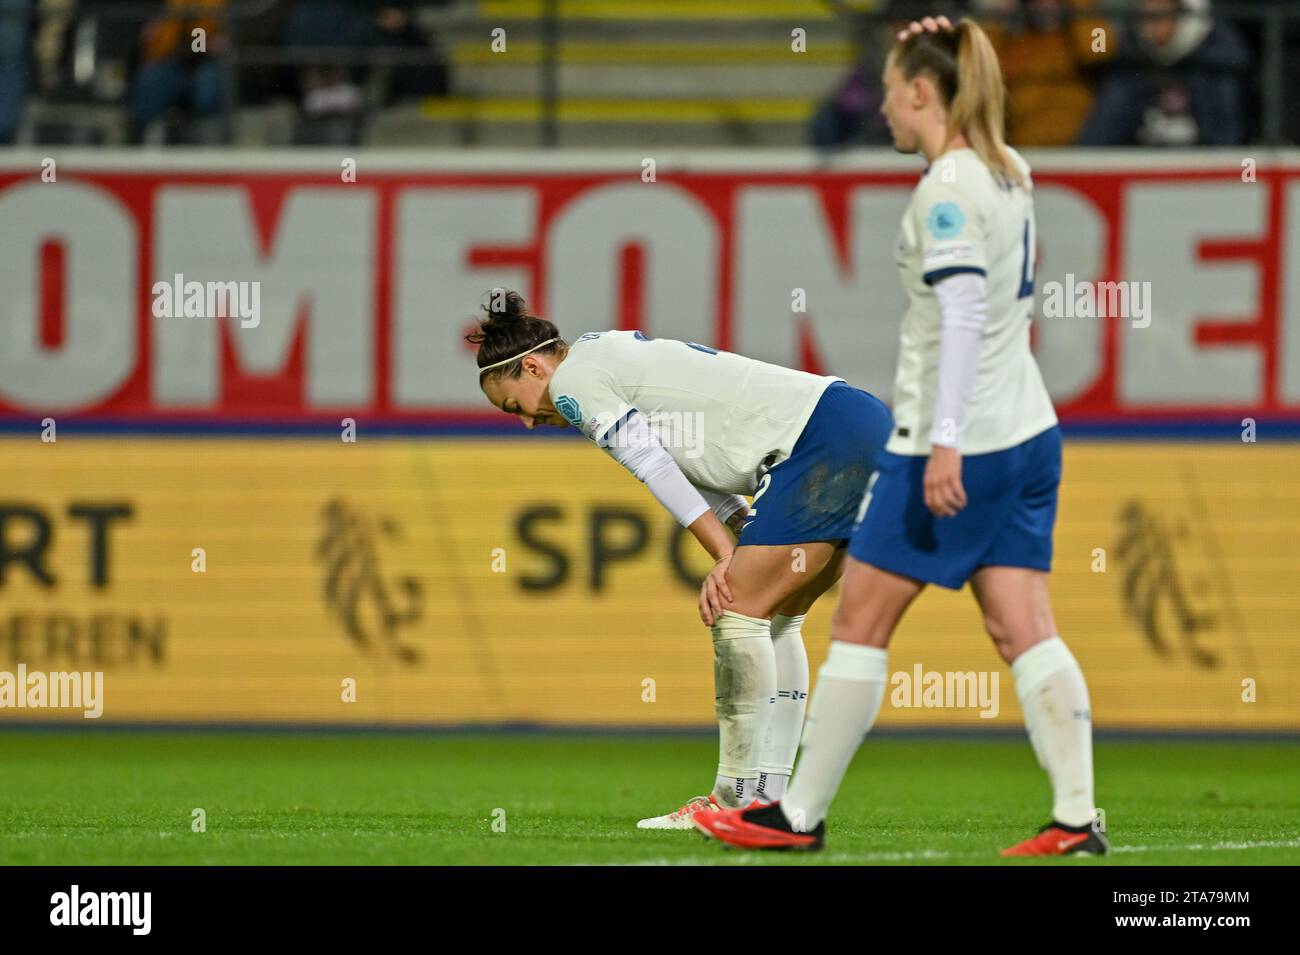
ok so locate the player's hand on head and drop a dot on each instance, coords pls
(925, 25)
(714, 591)
(944, 494)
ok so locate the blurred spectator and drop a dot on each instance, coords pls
(15, 22)
(1047, 58)
(173, 73)
(1291, 81)
(49, 43)
(850, 116)
(1179, 80)
(360, 24)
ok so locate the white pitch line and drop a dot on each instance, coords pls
(1215, 847)
(756, 858)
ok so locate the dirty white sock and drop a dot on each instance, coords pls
(786, 726)
(1058, 716)
(744, 678)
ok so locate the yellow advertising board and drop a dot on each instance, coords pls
(457, 581)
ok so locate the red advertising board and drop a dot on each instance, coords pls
(365, 283)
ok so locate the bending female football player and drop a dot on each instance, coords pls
(803, 445)
(966, 489)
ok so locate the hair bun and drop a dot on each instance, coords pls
(504, 306)
(506, 329)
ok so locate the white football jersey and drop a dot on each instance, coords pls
(961, 219)
(722, 417)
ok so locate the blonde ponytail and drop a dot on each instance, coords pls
(978, 110)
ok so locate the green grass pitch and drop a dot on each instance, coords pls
(93, 798)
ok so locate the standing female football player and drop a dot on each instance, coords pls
(685, 418)
(966, 488)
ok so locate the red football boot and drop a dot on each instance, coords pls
(758, 827)
(1058, 839)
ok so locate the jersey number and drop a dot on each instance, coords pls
(704, 348)
(1026, 276)
(763, 484)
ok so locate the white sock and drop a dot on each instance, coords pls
(850, 689)
(744, 680)
(1058, 716)
(786, 726)
(771, 787)
(735, 792)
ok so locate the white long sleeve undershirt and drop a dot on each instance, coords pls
(963, 305)
(634, 445)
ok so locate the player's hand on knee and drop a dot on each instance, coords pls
(714, 591)
(925, 25)
(944, 494)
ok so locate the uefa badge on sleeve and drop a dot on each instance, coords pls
(945, 220)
